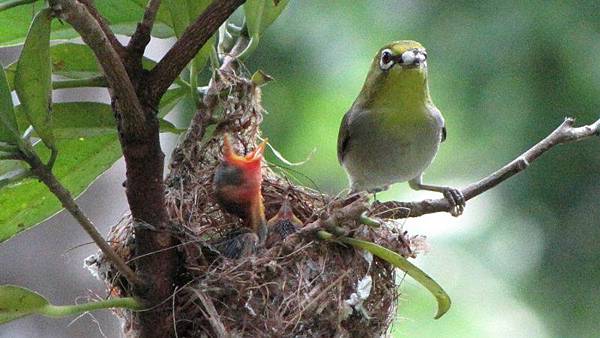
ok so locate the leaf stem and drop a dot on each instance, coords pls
(96, 81)
(68, 310)
(14, 3)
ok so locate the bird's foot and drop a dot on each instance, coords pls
(456, 199)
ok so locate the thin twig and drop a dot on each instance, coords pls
(186, 47)
(141, 36)
(565, 133)
(47, 177)
(211, 314)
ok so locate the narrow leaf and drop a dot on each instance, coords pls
(171, 99)
(261, 78)
(17, 302)
(196, 8)
(122, 15)
(29, 203)
(9, 132)
(182, 14)
(73, 61)
(88, 119)
(442, 298)
(397, 260)
(79, 119)
(168, 127)
(4, 5)
(33, 77)
(260, 14)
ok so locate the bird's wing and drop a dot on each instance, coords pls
(444, 133)
(440, 120)
(343, 138)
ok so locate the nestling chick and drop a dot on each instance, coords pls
(283, 224)
(238, 246)
(393, 130)
(237, 187)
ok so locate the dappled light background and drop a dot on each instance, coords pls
(524, 259)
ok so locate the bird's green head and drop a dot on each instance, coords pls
(398, 71)
(400, 56)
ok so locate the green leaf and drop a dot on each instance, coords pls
(79, 119)
(183, 112)
(7, 4)
(171, 99)
(261, 78)
(88, 119)
(33, 81)
(260, 14)
(197, 7)
(442, 298)
(82, 160)
(73, 61)
(17, 302)
(122, 16)
(168, 127)
(9, 132)
(180, 16)
(183, 13)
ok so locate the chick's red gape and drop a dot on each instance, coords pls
(237, 186)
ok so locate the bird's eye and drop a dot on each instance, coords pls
(386, 61)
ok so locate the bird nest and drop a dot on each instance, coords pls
(298, 287)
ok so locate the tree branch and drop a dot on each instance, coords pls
(122, 91)
(102, 22)
(184, 50)
(141, 36)
(45, 175)
(565, 133)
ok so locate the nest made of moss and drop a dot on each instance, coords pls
(298, 287)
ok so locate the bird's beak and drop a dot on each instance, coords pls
(254, 156)
(413, 58)
(258, 152)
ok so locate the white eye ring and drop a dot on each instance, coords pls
(386, 61)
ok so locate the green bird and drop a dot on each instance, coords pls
(393, 130)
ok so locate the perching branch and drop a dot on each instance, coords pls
(565, 133)
(186, 47)
(91, 30)
(337, 217)
(45, 175)
(141, 36)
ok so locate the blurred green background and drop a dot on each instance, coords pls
(524, 259)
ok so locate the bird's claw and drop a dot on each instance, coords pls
(457, 201)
